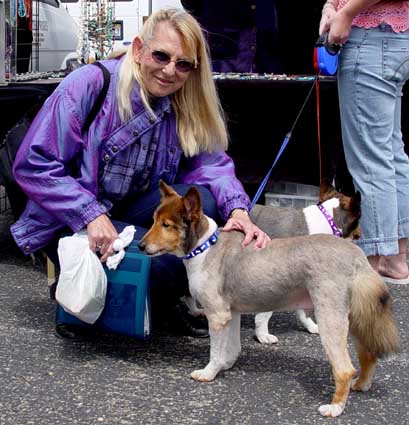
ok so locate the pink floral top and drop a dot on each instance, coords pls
(395, 14)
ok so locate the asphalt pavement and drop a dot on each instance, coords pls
(118, 380)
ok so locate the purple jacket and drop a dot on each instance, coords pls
(60, 169)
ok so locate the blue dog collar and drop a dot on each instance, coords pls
(205, 245)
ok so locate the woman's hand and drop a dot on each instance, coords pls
(101, 235)
(240, 220)
(328, 13)
(340, 27)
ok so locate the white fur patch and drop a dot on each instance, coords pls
(331, 410)
(316, 222)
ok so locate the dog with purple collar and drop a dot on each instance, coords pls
(335, 214)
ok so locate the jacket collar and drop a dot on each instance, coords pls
(159, 105)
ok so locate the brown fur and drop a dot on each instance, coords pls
(371, 316)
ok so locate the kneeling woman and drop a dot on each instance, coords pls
(161, 119)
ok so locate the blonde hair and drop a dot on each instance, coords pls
(199, 117)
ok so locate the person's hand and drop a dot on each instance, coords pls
(340, 28)
(101, 236)
(328, 13)
(240, 220)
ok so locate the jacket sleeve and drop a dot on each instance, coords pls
(216, 172)
(48, 163)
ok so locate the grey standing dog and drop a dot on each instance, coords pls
(330, 274)
(336, 214)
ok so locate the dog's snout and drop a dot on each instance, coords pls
(141, 245)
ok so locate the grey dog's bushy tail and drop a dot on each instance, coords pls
(371, 318)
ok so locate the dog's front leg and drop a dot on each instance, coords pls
(225, 347)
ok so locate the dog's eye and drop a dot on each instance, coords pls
(165, 225)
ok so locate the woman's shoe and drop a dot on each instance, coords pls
(73, 333)
(180, 322)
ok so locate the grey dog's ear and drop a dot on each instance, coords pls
(165, 189)
(193, 204)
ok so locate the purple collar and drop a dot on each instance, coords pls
(205, 245)
(330, 221)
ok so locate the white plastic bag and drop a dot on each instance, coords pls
(82, 284)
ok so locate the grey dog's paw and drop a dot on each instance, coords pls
(266, 338)
(201, 375)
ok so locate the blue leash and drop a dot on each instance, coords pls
(266, 178)
(283, 146)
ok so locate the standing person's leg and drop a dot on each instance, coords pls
(367, 106)
(396, 68)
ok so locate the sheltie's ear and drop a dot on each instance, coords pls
(327, 191)
(351, 204)
(166, 190)
(193, 204)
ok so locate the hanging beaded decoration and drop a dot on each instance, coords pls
(22, 12)
(95, 30)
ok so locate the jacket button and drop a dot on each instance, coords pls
(106, 157)
(27, 248)
(135, 133)
(115, 148)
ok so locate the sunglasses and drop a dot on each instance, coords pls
(181, 65)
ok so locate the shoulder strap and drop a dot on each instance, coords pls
(100, 99)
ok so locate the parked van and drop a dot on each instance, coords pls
(129, 15)
(58, 35)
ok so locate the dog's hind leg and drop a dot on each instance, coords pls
(307, 322)
(368, 364)
(333, 327)
(225, 347)
(261, 328)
